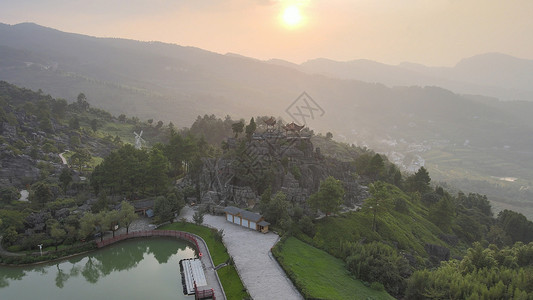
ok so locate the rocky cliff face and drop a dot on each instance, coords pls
(23, 151)
(290, 165)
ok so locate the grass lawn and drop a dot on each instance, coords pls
(232, 284)
(320, 275)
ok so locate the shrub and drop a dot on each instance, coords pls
(378, 286)
(14, 248)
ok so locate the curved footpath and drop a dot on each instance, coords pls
(5, 252)
(260, 272)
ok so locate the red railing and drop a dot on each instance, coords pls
(150, 233)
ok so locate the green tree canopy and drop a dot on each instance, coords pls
(329, 196)
(127, 215)
(378, 203)
(419, 182)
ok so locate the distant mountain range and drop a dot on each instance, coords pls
(398, 110)
(492, 74)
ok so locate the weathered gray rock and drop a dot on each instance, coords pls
(17, 170)
(222, 183)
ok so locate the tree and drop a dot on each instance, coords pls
(59, 108)
(101, 203)
(92, 224)
(516, 225)
(46, 125)
(329, 136)
(82, 102)
(277, 209)
(378, 262)
(65, 178)
(159, 125)
(157, 170)
(111, 220)
(163, 209)
(237, 128)
(41, 193)
(74, 123)
(57, 233)
(250, 128)
(419, 182)
(442, 213)
(87, 225)
(80, 158)
(378, 203)
(198, 217)
(127, 215)
(329, 196)
(8, 194)
(94, 125)
(12, 218)
(122, 118)
(150, 121)
(376, 167)
(75, 141)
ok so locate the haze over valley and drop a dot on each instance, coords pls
(297, 149)
(464, 134)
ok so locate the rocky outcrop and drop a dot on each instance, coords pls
(17, 170)
(292, 166)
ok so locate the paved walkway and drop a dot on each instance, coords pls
(259, 271)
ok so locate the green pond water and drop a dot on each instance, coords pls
(132, 269)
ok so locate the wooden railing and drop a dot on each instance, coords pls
(150, 233)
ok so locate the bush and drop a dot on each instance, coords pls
(14, 248)
(378, 286)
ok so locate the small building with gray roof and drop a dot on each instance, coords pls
(246, 219)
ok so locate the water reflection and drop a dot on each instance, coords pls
(98, 265)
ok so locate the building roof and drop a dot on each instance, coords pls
(149, 213)
(248, 215)
(271, 121)
(293, 127)
(232, 210)
(263, 223)
(143, 204)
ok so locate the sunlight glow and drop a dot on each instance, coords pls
(292, 16)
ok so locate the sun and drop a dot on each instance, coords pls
(292, 16)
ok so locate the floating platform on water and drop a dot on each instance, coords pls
(192, 272)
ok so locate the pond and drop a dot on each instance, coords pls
(132, 269)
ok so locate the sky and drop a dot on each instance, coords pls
(430, 32)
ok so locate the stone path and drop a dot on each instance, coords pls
(260, 272)
(63, 159)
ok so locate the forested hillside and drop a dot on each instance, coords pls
(475, 141)
(394, 231)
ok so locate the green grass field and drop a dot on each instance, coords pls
(321, 276)
(232, 284)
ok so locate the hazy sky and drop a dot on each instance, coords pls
(432, 32)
